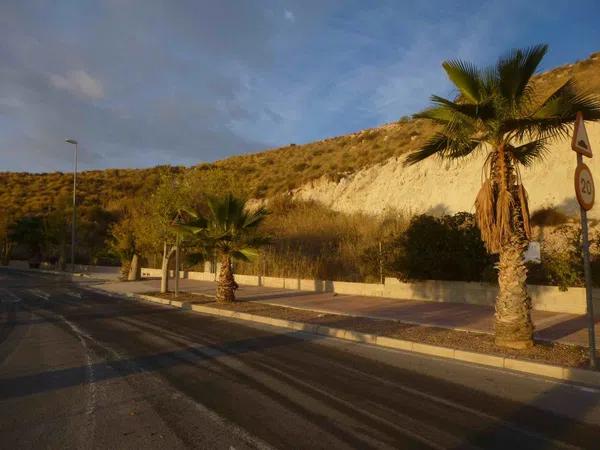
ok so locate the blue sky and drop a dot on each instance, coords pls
(145, 82)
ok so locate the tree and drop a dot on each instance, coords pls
(499, 111)
(231, 231)
(160, 210)
(126, 239)
(5, 241)
(93, 230)
(57, 230)
(444, 248)
(29, 232)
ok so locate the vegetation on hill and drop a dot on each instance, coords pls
(308, 240)
(267, 173)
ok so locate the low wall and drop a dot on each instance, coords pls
(18, 264)
(544, 298)
(151, 273)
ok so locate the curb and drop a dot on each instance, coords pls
(570, 374)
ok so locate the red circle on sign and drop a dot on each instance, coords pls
(584, 187)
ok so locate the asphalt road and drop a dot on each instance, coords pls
(80, 369)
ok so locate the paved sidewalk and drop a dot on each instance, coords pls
(562, 327)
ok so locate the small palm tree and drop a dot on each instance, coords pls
(499, 112)
(230, 231)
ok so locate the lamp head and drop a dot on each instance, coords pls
(71, 141)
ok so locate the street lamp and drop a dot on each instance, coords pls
(76, 144)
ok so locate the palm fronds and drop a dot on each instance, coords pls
(528, 154)
(443, 146)
(229, 229)
(497, 106)
(466, 77)
(515, 70)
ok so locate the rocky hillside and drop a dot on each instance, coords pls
(448, 187)
(345, 159)
(360, 171)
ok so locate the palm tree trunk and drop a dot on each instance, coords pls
(226, 284)
(513, 325)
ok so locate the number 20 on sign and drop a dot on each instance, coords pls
(584, 186)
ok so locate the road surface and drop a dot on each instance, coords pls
(82, 370)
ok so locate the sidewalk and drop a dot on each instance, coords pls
(561, 327)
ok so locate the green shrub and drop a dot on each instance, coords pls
(561, 257)
(446, 248)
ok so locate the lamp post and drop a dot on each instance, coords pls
(76, 144)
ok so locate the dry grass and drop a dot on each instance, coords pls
(312, 241)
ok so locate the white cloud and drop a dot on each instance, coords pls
(289, 15)
(80, 83)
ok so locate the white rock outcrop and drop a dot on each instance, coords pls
(440, 187)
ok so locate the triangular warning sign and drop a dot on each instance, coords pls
(580, 142)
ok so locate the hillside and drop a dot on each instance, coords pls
(434, 188)
(304, 169)
(28, 193)
(293, 166)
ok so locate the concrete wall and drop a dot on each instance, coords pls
(544, 298)
(18, 264)
(151, 273)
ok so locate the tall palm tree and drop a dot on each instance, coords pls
(231, 231)
(499, 112)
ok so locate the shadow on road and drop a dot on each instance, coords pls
(64, 378)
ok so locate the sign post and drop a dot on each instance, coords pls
(584, 189)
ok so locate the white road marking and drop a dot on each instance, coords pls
(73, 294)
(92, 390)
(228, 426)
(12, 297)
(39, 294)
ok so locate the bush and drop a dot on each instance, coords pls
(310, 240)
(548, 217)
(561, 257)
(446, 248)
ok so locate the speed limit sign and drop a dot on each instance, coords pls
(584, 186)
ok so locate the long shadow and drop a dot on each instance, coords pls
(561, 430)
(446, 315)
(63, 378)
(564, 328)
(138, 311)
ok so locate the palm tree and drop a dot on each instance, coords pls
(498, 111)
(230, 232)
